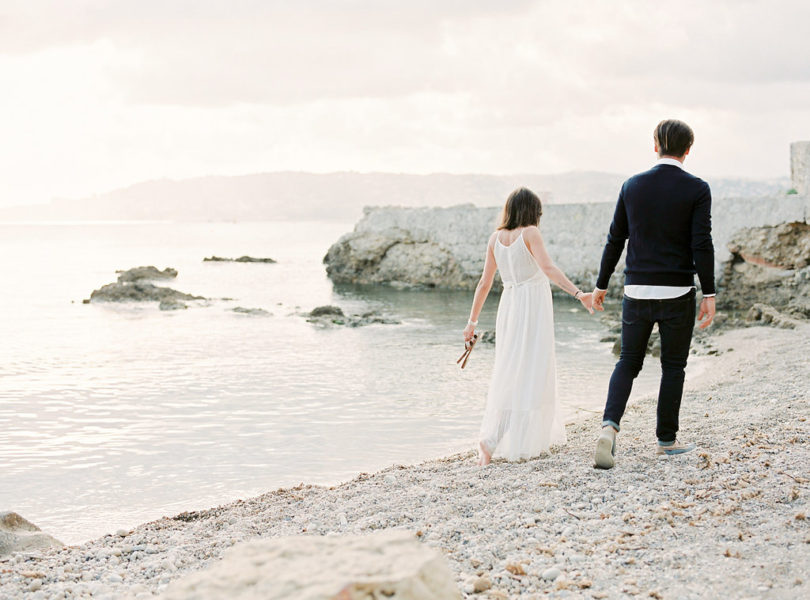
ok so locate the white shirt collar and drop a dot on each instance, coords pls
(669, 161)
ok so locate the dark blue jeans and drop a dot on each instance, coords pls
(676, 319)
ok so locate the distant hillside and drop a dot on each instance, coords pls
(331, 196)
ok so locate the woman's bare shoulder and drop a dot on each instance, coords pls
(532, 232)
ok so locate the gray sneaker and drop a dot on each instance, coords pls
(673, 448)
(605, 449)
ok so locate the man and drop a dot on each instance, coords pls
(665, 213)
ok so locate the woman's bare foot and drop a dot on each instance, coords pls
(484, 455)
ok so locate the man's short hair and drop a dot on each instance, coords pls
(673, 137)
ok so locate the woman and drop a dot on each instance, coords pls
(522, 416)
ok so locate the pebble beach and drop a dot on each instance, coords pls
(728, 520)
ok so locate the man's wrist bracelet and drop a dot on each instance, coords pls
(577, 294)
(471, 322)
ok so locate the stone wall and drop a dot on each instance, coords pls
(445, 247)
(800, 167)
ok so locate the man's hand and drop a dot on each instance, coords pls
(598, 299)
(706, 311)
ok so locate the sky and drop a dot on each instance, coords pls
(101, 94)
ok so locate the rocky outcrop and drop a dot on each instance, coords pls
(241, 259)
(138, 291)
(256, 312)
(445, 247)
(133, 286)
(768, 315)
(327, 310)
(150, 272)
(20, 535)
(328, 315)
(786, 246)
(769, 266)
(395, 256)
(388, 564)
(172, 304)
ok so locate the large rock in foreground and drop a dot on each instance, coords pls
(19, 535)
(771, 266)
(389, 564)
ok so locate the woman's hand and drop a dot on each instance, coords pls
(587, 301)
(469, 330)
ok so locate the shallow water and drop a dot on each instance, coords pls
(115, 414)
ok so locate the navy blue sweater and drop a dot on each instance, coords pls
(664, 215)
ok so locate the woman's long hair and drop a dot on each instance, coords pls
(522, 209)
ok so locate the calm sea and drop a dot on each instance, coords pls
(111, 415)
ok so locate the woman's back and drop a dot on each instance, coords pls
(515, 262)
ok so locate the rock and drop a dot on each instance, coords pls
(326, 316)
(770, 266)
(481, 584)
(551, 574)
(241, 259)
(370, 318)
(138, 291)
(390, 479)
(326, 311)
(387, 564)
(428, 247)
(150, 272)
(770, 316)
(19, 535)
(172, 304)
(784, 247)
(487, 337)
(257, 312)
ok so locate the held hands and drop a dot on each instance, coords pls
(599, 299)
(706, 312)
(587, 301)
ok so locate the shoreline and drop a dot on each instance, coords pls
(728, 520)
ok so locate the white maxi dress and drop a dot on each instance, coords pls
(522, 415)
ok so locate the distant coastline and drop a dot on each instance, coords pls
(337, 196)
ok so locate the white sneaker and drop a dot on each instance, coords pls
(605, 449)
(673, 448)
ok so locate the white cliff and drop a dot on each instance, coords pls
(445, 247)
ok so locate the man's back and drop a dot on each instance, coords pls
(664, 214)
(660, 206)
